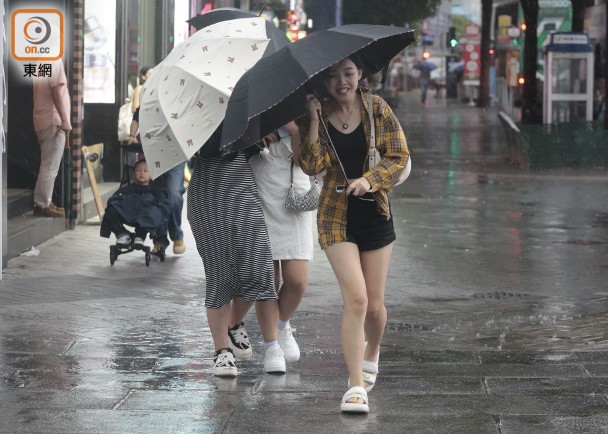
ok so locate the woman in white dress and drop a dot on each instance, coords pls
(290, 233)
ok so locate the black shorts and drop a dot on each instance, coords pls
(366, 227)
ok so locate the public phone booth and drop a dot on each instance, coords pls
(568, 89)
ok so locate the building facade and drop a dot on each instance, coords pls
(105, 45)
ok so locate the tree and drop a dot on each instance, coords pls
(387, 12)
(531, 107)
(606, 76)
(578, 14)
(484, 75)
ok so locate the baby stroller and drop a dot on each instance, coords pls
(140, 206)
(120, 249)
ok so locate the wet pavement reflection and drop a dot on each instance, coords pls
(497, 300)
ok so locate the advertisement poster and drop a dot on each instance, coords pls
(99, 51)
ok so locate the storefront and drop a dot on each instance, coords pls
(139, 33)
(120, 36)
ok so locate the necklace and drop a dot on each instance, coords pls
(345, 123)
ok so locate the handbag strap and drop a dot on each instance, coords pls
(372, 139)
(331, 147)
(291, 169)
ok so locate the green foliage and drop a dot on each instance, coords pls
(387, 12)
(459, 21)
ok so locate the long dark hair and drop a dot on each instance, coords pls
(142, 73)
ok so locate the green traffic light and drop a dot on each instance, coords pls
(453, 43)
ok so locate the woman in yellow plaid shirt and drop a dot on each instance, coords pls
(354, 218)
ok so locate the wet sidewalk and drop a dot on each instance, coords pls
(497, 300)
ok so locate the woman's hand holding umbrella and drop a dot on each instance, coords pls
(313, 108)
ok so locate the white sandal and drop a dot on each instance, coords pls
(355, 407)
(370, 372)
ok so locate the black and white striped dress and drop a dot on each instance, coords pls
(227, 221)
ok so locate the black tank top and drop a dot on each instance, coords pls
(351, 149)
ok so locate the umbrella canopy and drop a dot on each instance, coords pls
(216, 16)
(185, 98)
(273, 92)
(278, 38)
(456, 67)
(425, 66)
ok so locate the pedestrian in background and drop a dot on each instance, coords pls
(52, 125)
(227, 222)
(144, 73)
(355, 224)
(290, 232)
(425, 67)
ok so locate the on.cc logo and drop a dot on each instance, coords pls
(37, 34)
(37, 30)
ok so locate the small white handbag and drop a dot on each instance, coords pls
(297, 202)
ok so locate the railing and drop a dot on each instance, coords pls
(504, 97)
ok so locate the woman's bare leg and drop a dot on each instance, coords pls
(345, 261)
(277, 275)
(238, 311)
(268, 319)
(295, 277)
(218, 324)
(375, 266)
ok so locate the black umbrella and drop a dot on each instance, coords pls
(272, 93)
(217, 15)
(278, 38)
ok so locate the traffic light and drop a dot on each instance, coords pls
(450, 39)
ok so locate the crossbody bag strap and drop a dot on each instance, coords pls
(372, 125)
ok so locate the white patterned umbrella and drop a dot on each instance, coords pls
(184, 100)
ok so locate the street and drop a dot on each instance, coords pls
(497, 299)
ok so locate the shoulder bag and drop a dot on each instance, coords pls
(373, 154)
(297, 202)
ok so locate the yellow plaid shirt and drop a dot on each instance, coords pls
(316, 157)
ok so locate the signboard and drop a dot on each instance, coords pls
(513, 32)
(512, 68)
(569, 38)
(472, 59)
(472, 31)
(37, 40)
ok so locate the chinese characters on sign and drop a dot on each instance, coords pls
(42, 70)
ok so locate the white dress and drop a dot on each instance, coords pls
(290, 233)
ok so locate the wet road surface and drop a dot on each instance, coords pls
(497, 299)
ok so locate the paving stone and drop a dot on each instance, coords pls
(554, 425)
(597, 370)
(547, 386)
(495, 296)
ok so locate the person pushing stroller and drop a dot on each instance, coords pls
(138, 205)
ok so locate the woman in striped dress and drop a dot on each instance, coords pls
(227, 221)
